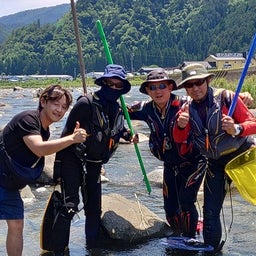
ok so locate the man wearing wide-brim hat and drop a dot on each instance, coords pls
(194, 72)
(157, 76)
(79, 167)
(220, 137)
(180, 186)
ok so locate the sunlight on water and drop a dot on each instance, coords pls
(125, 179)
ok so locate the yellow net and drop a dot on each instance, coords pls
(242, 171)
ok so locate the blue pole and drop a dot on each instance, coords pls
(240, 84)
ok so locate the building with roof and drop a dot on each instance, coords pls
(228, 60)
(146, 70)
(205, 63)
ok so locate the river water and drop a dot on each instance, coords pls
(125, 176)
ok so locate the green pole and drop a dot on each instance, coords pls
(126, 114)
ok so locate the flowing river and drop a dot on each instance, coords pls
(126, 178)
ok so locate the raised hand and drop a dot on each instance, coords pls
(228, 124)
(246, 98)
(183, 117)
(79, 134)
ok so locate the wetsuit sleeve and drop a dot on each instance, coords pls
(137, 111)
(126, 134)
(82, 113)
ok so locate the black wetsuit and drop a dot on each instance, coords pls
(79, 166)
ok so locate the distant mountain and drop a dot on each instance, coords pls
(44, 15)
(139, 33)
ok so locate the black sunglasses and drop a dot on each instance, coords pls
(154, 87)
(118, 85)
(198, 82)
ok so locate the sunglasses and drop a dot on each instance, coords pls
(154, 87)
(118, 85)
(198, 82)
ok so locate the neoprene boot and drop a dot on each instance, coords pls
(174, 223)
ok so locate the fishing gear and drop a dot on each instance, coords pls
(243, 74)
(126, 114)
(79, 47)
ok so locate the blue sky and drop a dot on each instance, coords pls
(8, 7)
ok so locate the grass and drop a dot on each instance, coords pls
(249, 85)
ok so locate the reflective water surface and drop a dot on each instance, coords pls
(125, 176)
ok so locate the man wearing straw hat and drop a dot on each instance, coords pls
(203, 122)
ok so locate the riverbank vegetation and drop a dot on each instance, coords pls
(249, 84)
(139, 34)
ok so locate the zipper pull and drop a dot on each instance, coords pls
(111, 142)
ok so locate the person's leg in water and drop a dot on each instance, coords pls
(12, 210)
(171, 202)
(214, 194)
(215, 185)
(71, 175)
(92, 207)
(190, 180)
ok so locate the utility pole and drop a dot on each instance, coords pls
(132, 57)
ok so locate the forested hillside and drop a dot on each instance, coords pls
(46, 15)
(139, 33)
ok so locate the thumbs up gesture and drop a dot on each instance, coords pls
(183, 117)
(79, 134)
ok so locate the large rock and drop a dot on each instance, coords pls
(130, 221)
(47, 176)
(156, 177)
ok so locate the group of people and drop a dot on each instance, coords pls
(195, 139)
(183, 133)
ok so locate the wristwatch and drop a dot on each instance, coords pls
(239, 129)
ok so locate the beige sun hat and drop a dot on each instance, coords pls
(193, 71)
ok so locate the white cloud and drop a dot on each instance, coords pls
(13, 6)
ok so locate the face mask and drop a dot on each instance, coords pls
(110, 94)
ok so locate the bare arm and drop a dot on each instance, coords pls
(42, 148)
